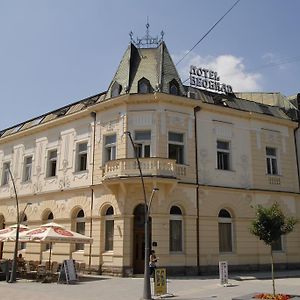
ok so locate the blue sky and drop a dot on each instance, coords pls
(55, 52)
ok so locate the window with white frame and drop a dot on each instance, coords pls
(176, 146)
(225, 231)
(5, 173)
(52, 163)
(223, 155)
(175, 229)
(81, 163)
(110, 147)
(80, 228)
(109, 229)
(271, 157)
(142, 143)
(277, 245)
(27, 168)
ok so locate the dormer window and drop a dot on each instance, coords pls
(144, 86)
(173, 87)
(116, 89)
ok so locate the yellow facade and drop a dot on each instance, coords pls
(196, 186)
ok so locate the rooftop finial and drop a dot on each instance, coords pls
(147, 41)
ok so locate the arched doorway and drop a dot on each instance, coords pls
(2, 225)
(139, 239)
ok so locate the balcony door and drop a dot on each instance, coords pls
(139, 239)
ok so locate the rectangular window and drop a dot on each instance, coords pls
(176, 147)
(225, 237)
(277, 245)
(110, 147)
(175, 235)
(142, 143)
(271, 157)
(5, 173)
(27, 168)
(223, 155)
(109, 235)
(81, 157)
(52, 162)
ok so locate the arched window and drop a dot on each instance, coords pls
(175, 229)
(116, 89)
(225, 231)
(48, 219)
(173, 87)
(144, 86)
(109, 229)
(80, 228)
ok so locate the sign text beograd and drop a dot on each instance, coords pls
(208, 79)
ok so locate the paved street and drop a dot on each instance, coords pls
(111, 288)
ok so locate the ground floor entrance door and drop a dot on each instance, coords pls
(139, 239)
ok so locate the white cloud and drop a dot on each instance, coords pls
(230, 68)
(273, 59)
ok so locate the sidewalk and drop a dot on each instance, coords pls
(183, 288)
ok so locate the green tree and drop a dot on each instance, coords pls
(269, 225)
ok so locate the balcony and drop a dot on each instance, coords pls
(128, 167)
(274, 180)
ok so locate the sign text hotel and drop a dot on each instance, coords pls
(209, 80)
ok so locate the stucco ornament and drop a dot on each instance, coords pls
(64, 181)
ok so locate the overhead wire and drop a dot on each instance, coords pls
(270, 65)
(207, 33)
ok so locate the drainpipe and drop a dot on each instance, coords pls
(297, 154)
(295, 138)
(93, 115)
(197, 109)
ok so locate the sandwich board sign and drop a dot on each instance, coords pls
(160, 281)
(68, 272)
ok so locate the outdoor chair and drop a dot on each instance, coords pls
(31, 269)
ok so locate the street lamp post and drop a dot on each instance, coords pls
(14, 263)
(147, 287)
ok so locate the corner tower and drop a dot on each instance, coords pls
(146, 67)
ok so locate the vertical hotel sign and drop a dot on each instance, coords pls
(206, 79)
(223, 272)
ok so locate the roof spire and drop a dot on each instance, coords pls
(147, 41)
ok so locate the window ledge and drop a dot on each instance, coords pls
(108, 253)
(177, 253)
(227, 253)
(80, 172)
(223, 170)
(78, 251)
(275, 175)
(51, 177)
(278, 252)
(26, 182)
